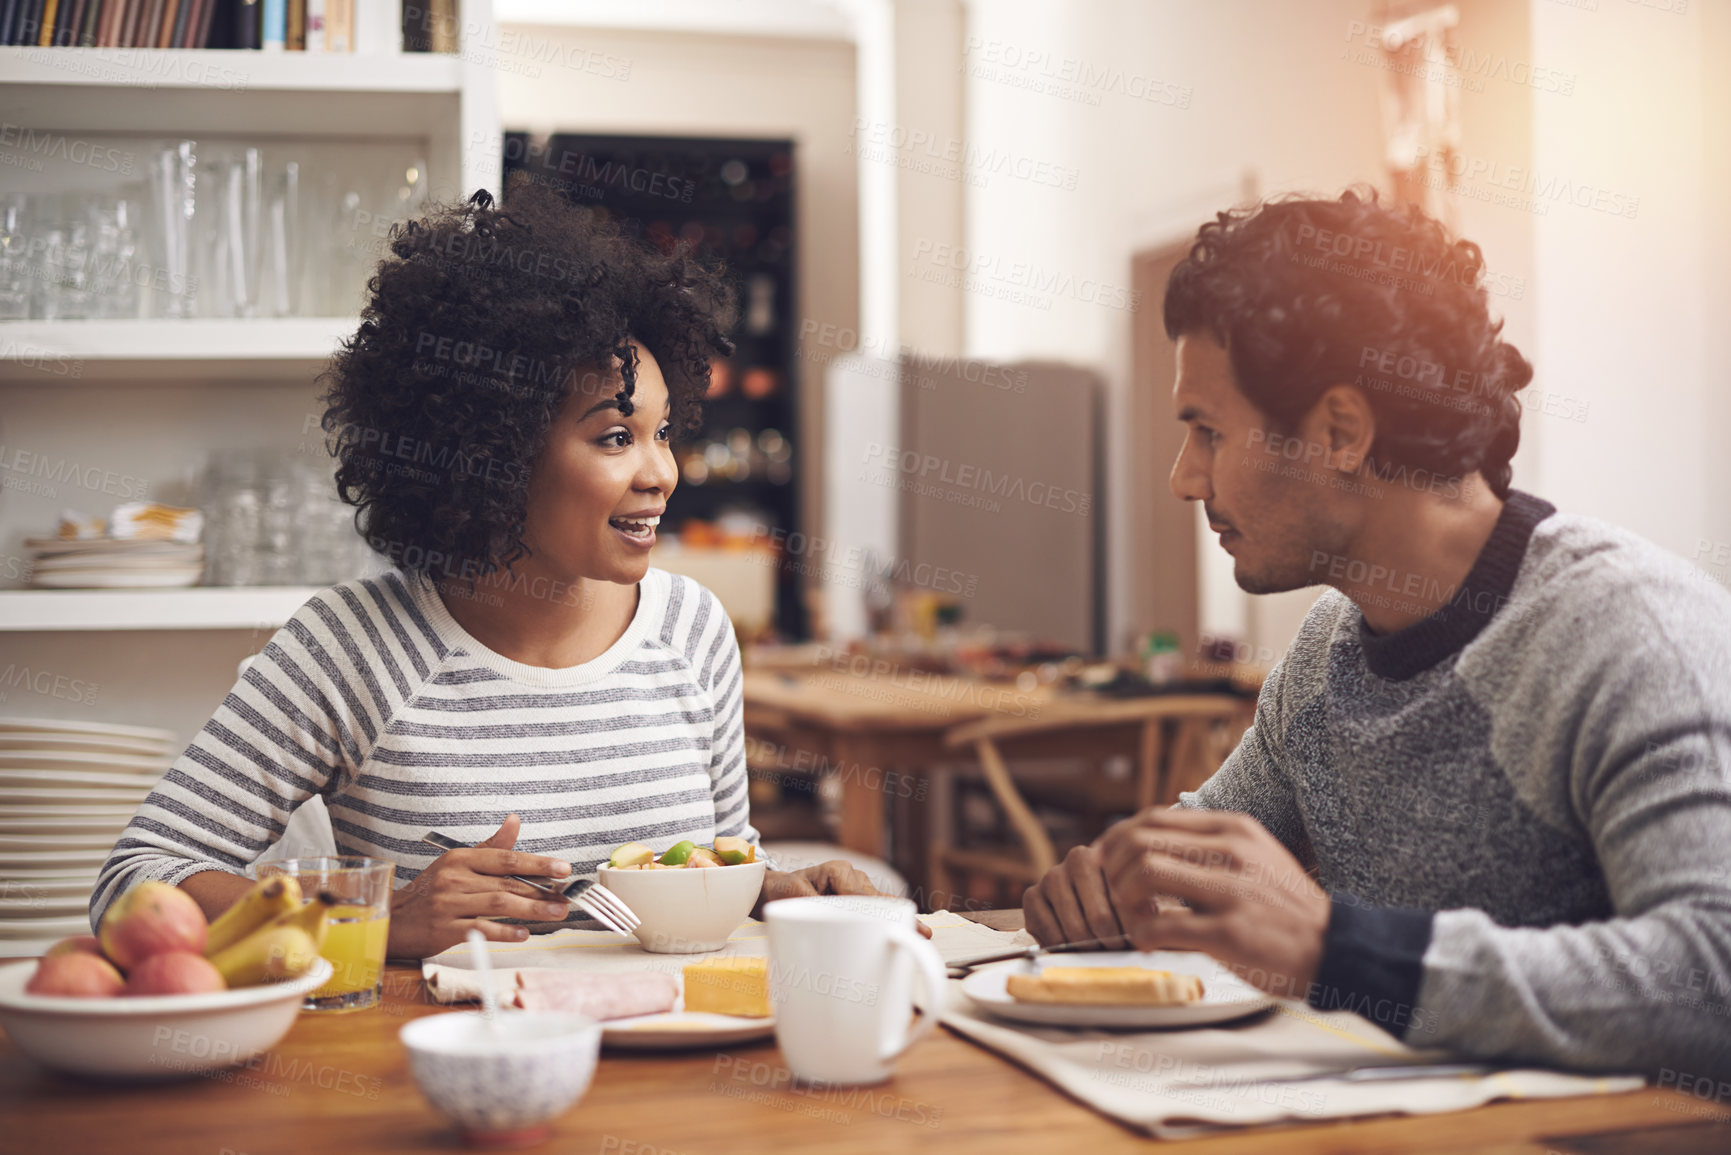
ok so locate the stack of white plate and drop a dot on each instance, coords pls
(109, 563)
(67, 790)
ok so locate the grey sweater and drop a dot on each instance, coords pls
(1521, 805)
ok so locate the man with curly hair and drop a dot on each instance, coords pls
(1486, 801)
(522, 679)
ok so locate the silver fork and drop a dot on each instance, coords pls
(602, 904)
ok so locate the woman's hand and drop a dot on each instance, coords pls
(466, 888)
(837, 876)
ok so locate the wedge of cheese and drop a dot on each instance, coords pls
(728, 986)
(1105, 986)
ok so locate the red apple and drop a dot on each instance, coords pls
(152, 918)
(75, 974)
(85, 943)
(175, 972)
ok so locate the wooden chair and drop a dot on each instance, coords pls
(1178, 741)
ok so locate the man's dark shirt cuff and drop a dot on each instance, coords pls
(1372, 962)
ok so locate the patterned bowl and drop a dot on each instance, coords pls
(503, 1086)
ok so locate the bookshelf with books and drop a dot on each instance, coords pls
(314, 26)
(131, 383)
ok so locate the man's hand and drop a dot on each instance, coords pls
(465, 888)
(1071, 903)
(1252, 906)
(837, 876)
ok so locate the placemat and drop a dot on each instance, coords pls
(1179, 1083)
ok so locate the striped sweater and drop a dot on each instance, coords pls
(375, 698)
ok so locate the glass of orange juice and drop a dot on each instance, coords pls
(356, 926)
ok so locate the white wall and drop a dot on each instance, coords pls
(1238, 85)
(1632, 312)
(1625, 319)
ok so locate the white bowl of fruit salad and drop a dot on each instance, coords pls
(690, 897)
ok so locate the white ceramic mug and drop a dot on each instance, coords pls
(841, 979)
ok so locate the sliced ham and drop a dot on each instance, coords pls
(599, 996)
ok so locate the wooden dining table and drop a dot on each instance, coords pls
(878, 728)
(341, 1083)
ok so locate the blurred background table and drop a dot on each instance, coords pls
(887, 735)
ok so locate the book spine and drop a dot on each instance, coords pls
(444, 31)
(275, 32)
(246, 24)
(296, 37)
(45, 30)
(339, 26)
(62, 14)
(176, 28)
(315, 25)
(206, 8)
(131, 17)
(150, 24)
(108, 23)
(74, 22)
(87, 28)
(378, 28)
(30, 24)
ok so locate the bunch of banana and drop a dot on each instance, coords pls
(269, 935)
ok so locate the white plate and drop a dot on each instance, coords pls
(130, 580)
(13, 910)
(34, 800)
(17, 890)
(49, 843)
(29, 859)
(17, 884)
(75, 779)
(38, 927)
(13, 742)
(16, 824)
(17, 725)
(1224, 995)
(79, 760)
(682, 1030)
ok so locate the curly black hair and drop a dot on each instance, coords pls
(1305, 294)
(475, 331)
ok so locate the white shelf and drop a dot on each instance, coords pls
(219, 70)
(195, 608)
(63, 353)
(166, 92)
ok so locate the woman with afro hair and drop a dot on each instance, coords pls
(520, 678)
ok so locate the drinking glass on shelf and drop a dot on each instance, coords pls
(239, 217)
(66, 291)
(277, 530)
(174, 183)
(232, 498)
(358, 926)
(14, 257)
(283, 245)
(113, 250)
